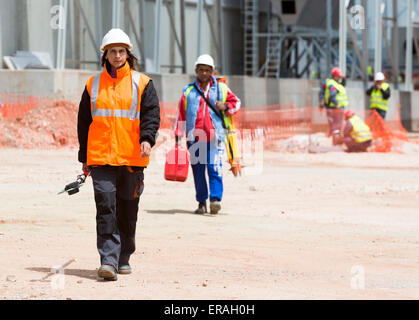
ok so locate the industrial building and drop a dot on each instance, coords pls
(269, 43)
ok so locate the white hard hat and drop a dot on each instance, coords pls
(379, 76)
(205, 59)
(115, 36)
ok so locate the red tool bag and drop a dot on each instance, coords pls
(177, 164)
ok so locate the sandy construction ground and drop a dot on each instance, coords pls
(309, 226)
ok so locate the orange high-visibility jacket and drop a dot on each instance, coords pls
(114, 134)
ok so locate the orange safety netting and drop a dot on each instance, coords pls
(386, 134)
(42, 122)
(14, 106)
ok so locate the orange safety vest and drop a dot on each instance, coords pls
(114, 134)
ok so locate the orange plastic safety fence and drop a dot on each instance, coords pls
(42, 122)
(14, 106)
(275, 122)
(168, 114)
(387, 134)
(381, 132)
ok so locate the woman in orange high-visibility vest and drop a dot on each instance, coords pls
(118, 120)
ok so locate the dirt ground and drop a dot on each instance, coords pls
(308, 226)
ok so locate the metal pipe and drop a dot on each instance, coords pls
(62, 34)
(378, 37)
(221, 36)
(342, 36)
(182, 32)
(141, 19)
(98, 22)
(395, 40)
(157, 36)
(198, 41)
(329, 34)
(116, 8)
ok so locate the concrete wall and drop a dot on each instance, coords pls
(44, 82)
(252, 91)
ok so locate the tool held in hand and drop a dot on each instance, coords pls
(74, 187)
(230, 139)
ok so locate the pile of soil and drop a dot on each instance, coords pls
(50, 125)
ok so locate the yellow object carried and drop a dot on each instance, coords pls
(231, 137)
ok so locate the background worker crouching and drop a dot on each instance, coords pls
(357, 135)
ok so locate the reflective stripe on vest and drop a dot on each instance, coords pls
(227, 119)
(186, 96)
(223, 89)
(341, 97)
(376, 99)
(119, 113)
(360, 130)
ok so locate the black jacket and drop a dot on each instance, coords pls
(386, 93)
(149, 119)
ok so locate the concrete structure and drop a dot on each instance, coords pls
(34, 25)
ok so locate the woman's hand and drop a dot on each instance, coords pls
(85, 168)
(145, 149)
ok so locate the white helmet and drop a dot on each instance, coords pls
(205, 59)
(379, 76)
(115, 36)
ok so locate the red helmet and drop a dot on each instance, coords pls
(337, 72)
(349, 114)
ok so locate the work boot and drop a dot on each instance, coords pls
(107, 272)
(202, 208)
(125, 269)
(215, 206)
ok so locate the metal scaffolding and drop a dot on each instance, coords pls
(294, 50)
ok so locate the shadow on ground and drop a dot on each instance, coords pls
(175, 211)
(87, 274)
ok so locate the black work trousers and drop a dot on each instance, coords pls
(117, 193)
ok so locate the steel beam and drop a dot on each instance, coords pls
(220, 15)
(395, 40)
(329, 34)
(116, 10)
(157, 36)
(182, 33)
(342, 35)
(98, 22)
(378, 63)
(62, 35)
(199, 28)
